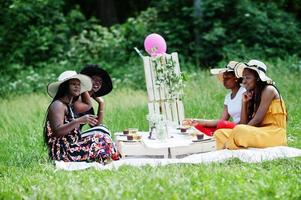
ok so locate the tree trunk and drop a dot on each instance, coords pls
(106, 12)
(197, 15)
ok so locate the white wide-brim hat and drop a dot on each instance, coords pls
(220, 71)
(255, 65)
(85, 82)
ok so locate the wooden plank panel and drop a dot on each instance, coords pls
(148, 78)
(151, 108)
(175, 112)
(168, 111)
(157, 108)
(161, 88)
(196, 147)
(137, 149)
(163, 108)
(175, 59)
(166, 90)
(181, 112)
(153, 78)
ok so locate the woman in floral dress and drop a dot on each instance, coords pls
(61, 129)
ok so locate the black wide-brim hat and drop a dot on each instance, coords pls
(95, 70)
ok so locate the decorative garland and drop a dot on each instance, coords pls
(167, 76)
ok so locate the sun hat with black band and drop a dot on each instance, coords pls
(95, 70)
(255, 65)
(85, 82)
(228, 68)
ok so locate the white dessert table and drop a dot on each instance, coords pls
(177, 145)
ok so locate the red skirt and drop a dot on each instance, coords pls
(210, 130)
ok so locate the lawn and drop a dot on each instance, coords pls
(26, 173)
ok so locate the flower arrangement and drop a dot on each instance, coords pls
(155, 119)
(168, 77)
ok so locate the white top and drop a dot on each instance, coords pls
(234, 105)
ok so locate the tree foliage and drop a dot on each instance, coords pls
(36, 35)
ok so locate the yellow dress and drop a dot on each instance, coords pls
(271, 132)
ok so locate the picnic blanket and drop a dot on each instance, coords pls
(251, 155)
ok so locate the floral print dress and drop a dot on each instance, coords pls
(98, 147)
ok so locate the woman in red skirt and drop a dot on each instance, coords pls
(232, 102)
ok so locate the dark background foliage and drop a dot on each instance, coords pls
(40, 39)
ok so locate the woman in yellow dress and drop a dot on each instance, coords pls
(263, 113)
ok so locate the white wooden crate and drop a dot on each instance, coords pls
(196, 147)
(139, 149)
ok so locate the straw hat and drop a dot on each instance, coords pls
(219, 71)
(95, 70)
(255, 65)
(85, 82)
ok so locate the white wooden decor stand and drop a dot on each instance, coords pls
(159, 101)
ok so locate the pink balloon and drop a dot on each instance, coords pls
(154, 44)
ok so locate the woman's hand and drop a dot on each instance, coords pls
(190, 122)
(247, 96)
(187, 122)
(88, 119)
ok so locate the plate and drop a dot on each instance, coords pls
(126, 140)
(196, 140)
(131, 140)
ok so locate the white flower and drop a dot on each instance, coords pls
(167, 76)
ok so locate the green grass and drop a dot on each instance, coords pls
(26, 173)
